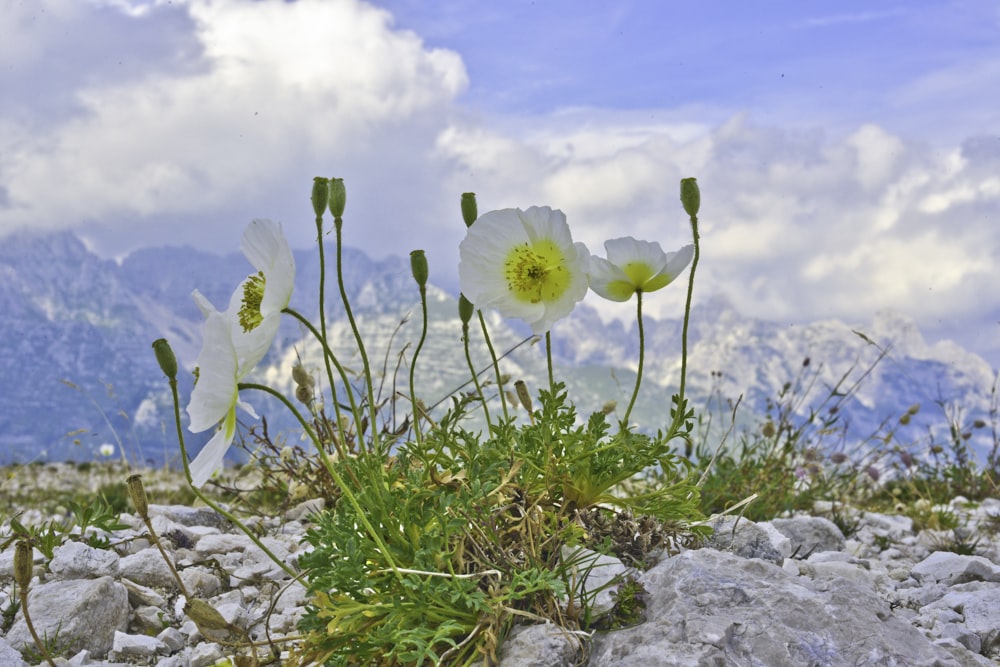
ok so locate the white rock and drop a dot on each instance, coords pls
(75, 560)
(132, 647)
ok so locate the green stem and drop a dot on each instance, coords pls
(642, 354)
(496, 364)
(417, 412)
(327, 354)
(328, 357)
(548, 359)
(201, 496)
(344, 488)
(338, 224)
(679, 417)
(31, 628)
(475, 377)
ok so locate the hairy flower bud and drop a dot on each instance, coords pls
(320, 195)
(690, 196)
(470, 210)
(165, 357)
(338, 197)
(23, 563)
(301, 376)
(465, 309)
(522, 394)
(418, 265)
(304, 394)
(138, 494)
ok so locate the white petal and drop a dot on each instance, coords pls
(625, 250)
(609, 281)
(211, 457)
(204, 305)
(215, 392)
(677, 261)
(266, 248)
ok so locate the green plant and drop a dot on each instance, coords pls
(436, 537)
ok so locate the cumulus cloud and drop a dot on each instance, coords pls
(279, 89)
(796, 225)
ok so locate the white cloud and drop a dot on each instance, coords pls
(795, 225)
(281, 88)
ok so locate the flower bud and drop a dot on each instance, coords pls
(338, 197)
(304, 394)
(690, 196)
(301, 376)
(469, 209)
(522, 394)
(465, 309)
(320, 195)
(138, 495)
(418, 264)
(23, 563)
(165, 357)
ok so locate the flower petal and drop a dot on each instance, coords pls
(266, 248)
(215, 393)
(213, 454)
(524, 264)
(609, 281)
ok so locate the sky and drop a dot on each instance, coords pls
(848, 152)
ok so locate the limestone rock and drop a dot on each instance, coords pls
(81, 613)
(709, 607)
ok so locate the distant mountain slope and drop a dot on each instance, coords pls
(69, 315)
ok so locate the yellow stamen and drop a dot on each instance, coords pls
(253, 294)
(535, 273)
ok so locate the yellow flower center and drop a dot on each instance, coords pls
(253, 294)
(535, 273)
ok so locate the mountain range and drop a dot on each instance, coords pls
(79, 371)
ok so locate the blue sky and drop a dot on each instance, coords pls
(848, 152)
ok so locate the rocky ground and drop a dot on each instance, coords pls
(791, 591)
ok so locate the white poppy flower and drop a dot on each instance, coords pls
(635, 266)
(215, 396)
(524, 264)
(107, 449)
(227, 357)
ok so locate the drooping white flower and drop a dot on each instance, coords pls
(106, 450)
(251, 323)
(524, 264)
(635, 266)
(215, 396)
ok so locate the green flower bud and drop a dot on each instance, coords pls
(690, 196)
(165, 357)
(465, 309)
(23, 563)
(138, 495)
(338, 197)
(418, 264)
(320, 195)
(469, 209)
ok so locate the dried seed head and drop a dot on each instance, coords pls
(138, 495)
(23, 563)
(522, 395)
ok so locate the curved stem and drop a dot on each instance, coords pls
(475, 377)
(338, 224)
(321, 336)
(328, 357)
(679, 417)
(337, 478)
(417, 411)
(642, 352)
(548, 359)
(496, 365)
(201, 496)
